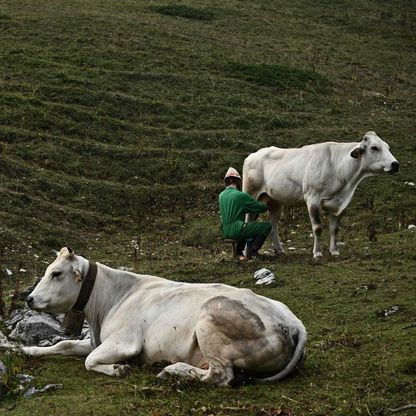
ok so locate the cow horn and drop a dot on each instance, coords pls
(67, 251)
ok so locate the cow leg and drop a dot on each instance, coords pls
(214, 347)
(107, 356)
(274, 216)
(183, 370)
(315, 217)
(217, 349)
(69, 347)
(333, 232)
(218, 372)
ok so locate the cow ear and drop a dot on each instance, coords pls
(77, 276)
(357, 153)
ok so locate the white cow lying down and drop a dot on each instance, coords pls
(205, 330)
(322, 175)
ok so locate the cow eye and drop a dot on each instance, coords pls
(375, 149)
(55, 274)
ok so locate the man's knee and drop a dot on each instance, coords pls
(266, 228)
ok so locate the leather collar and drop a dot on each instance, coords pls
(86, 288)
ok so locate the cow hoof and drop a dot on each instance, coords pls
(121, 370)
(335, 253)
(318, 259)
(163, 374)
(317, 255)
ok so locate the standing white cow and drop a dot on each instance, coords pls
(322, 175)
(206, 330)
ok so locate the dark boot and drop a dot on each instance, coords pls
(255, 245)
(240, 247)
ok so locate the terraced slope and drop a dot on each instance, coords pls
(110, 111)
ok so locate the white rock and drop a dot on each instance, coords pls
(33, 390)
(37, 328)
(5, 343)
(24, 378)
(410, 226)
(3, 371)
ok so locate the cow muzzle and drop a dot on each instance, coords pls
(35, 304)
(29, 301)
(394, 167)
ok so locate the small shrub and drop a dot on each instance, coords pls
(9, 382)
(278, 76)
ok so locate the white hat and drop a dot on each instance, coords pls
(231, 172)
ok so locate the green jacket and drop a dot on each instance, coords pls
(234, 204)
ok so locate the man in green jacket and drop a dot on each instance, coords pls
(234, 204)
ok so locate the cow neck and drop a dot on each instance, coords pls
(350, 171)
(86, 288)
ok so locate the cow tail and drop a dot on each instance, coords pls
(300, 336)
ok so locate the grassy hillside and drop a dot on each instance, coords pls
(118, 120)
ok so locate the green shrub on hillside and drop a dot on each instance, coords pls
(9, 384)
(279, 76)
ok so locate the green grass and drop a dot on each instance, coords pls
(357, 359)
(184, 11)
(279, 77)
(118, 120)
